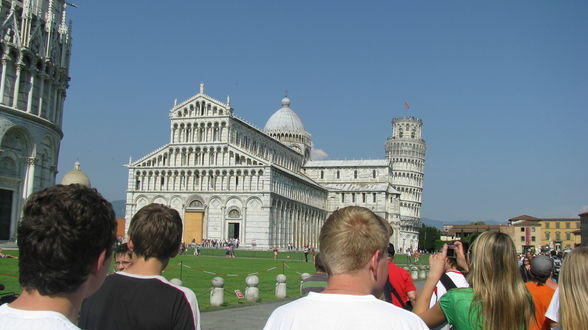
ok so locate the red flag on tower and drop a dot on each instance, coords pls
(406, 106)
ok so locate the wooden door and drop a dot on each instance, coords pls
(193, 223)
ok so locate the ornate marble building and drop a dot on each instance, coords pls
(229, 179)
(35, 48)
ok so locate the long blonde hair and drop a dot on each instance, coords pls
(573, 290)
(500, 295)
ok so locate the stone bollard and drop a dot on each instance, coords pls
(422, 273)
(281, 286)
(303, 276)
(217, 293)
(414, 273)
(252, 291)
(176, 281)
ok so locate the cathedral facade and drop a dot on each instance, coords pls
(35, 47)
(229, 179)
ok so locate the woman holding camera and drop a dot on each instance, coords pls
(497, 298)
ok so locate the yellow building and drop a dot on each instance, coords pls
(526, 232)
(559, 232)
(555, 233)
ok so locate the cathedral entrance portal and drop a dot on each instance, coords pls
(193, 224)
(5, 213)
(233, 230)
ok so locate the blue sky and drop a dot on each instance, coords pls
(501, 86)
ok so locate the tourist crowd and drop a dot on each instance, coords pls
(217, 243)
(67, 236)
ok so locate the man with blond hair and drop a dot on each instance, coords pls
(353, 244)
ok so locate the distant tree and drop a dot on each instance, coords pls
(478, 223)
(428, 237)
(469, 239)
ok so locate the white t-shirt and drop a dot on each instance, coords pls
(552, 312)
(340, 311)
(458, 279)
(17, 319)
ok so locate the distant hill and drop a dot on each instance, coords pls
(439, 223)
(119, 208)
(432, 223)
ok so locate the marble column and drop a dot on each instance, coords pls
(5, 59)
(42, 79)
(31, 90)
(19, 67)
(28, 186)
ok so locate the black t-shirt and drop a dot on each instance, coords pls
(128, 301)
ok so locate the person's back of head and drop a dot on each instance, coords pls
(63, 231)
(498, 288)
(155, 232)
(573, 286)
(391, 251)
(349, 238)
(541, 268)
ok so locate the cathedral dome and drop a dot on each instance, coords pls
(76, 176)
(284, 119)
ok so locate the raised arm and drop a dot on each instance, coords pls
(432, 316)
(461, 257)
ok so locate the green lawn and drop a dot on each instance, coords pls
(9, 273)
(196, 272)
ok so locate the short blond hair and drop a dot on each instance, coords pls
(349, 238)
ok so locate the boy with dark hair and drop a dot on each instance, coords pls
(65, 241)
(139, 297)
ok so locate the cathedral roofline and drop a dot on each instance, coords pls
(136, 162)
(371, 187)
(301, 177)
(195, 97)
(348, 163)
(244, 122)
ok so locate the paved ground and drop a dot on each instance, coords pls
(245, 318)
(248, 317)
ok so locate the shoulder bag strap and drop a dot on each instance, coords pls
(447, 282)
(389, 289)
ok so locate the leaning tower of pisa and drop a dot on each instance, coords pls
(406, 150)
